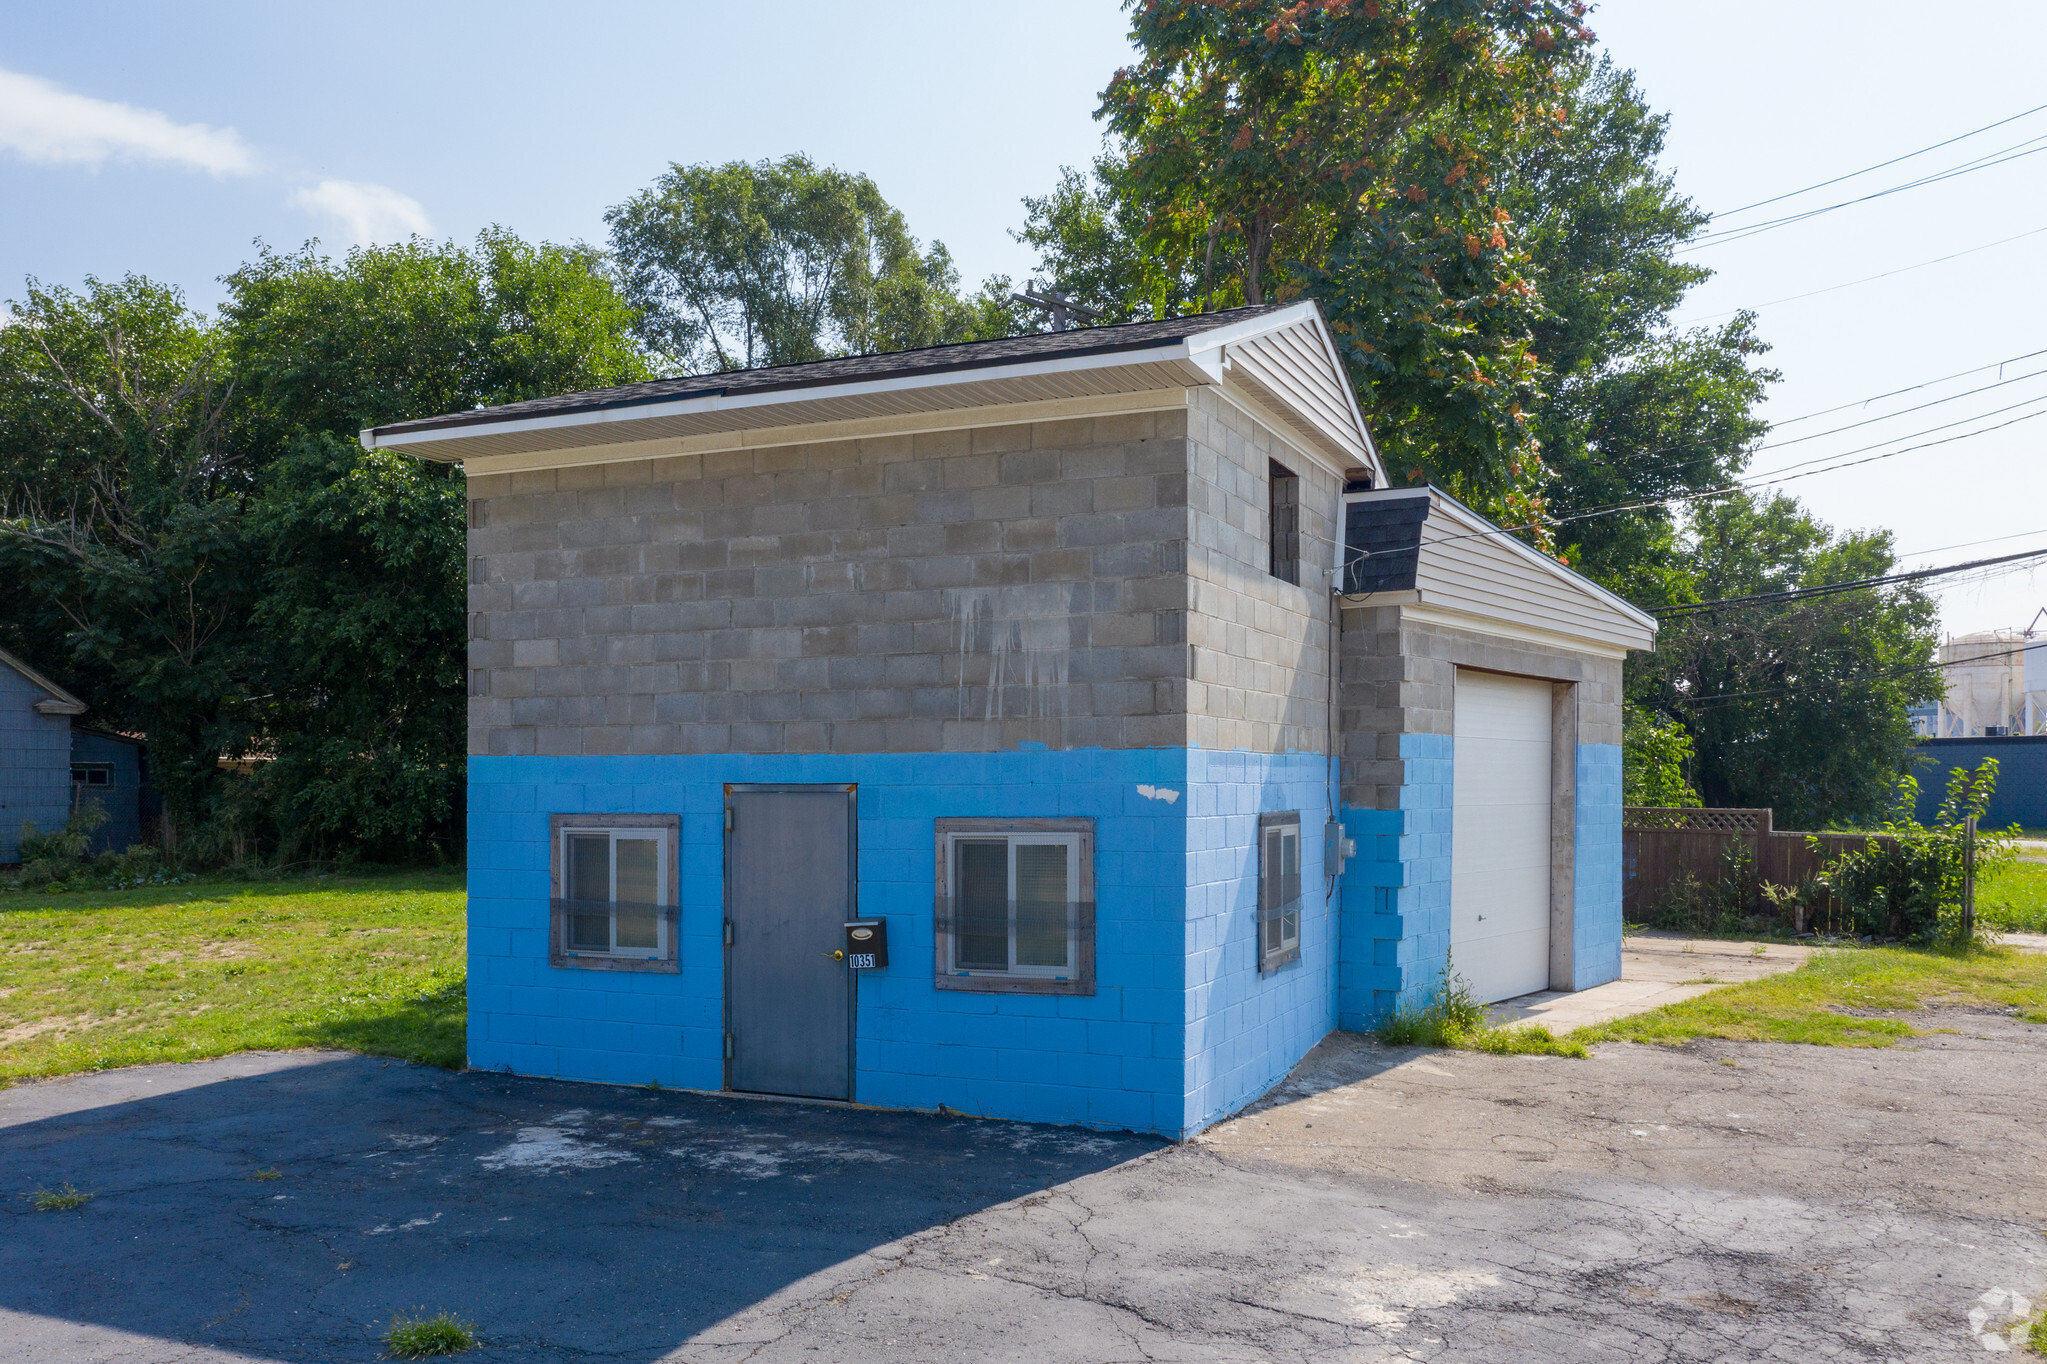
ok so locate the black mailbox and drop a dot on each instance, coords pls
(866, 944)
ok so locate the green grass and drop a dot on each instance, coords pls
(423, 1337)
(374, 964)
(2039, 1336)
(2015, 899)
(58, 1200)
(1808, 1005)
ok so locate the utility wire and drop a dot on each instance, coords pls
(1866, 279)
(1959, 137)
(1727, 490)
(1969, 544)
(1860, 677)
(1914, 388)
(2016, 152)
(1853, 585)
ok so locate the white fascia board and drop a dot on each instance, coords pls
(1473, 523)
(1310, 312)
(716, 402)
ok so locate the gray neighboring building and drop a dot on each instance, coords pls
(35, 752)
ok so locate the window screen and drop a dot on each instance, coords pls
(1014, 906)
(615, 896)
(1279, 889)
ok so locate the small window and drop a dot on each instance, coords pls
(92, 774)
(1279, 890)
(1015, 905)
(1285, 542)
(614, 895)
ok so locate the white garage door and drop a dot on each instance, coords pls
(1499, 850)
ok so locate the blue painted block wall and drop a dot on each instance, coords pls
(1245, 1029)
(1116, 1059)
(1596, 888)
(35, 763)
(1395, 916)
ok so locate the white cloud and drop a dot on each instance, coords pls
(365, 212)
(45, 123)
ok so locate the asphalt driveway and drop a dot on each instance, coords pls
(1725, 1201)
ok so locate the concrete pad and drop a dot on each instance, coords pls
(1657, 968)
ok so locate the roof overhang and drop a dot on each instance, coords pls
(1284, 360)
(57, 701)
(1426, 552)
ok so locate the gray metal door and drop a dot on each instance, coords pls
(789, 889)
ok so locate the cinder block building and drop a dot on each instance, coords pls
(1068, 669)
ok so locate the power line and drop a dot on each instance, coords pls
(1914, 388)
(1864, 402)
(1860, 677)
(1867, 279)
(1968, 544)
(1834, 589)
(1726, 490)
(1959, 137)
(2016, 152)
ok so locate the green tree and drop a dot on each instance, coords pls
(780, 262)
(1655, 751)
(1634, 410)
(122, 518)
(361, 601)
(1803, 705)
(210, 557)
(1352, 152)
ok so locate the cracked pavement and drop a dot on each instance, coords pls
(1722, 1201)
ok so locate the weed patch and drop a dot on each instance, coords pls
(1453, 1018)
(58, 1200)
(424, 1337)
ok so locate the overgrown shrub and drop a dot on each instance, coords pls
(64, 845)
(1910, 885)
(1730, 904)
(58, 862)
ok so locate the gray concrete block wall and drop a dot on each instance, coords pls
(1259, 646)
(1397, 675)
(952, 591)
(35, 763)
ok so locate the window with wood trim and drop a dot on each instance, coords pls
(1279, 889)
(1284, 542)
(1015, 910)
(614, 891)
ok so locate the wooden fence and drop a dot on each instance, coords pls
(1659, 844)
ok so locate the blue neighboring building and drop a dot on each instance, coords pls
(1073, 727)
(2021, 794)
(48, 765)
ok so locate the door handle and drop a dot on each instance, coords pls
(839, 955)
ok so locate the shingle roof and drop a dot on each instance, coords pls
(848, 369)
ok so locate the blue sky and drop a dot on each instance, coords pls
(166, 139)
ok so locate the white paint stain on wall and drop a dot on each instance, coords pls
(1013, 647)
(1164, 793)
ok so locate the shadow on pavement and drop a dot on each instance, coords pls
(564, 1219)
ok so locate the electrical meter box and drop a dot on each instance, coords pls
(866, 944)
